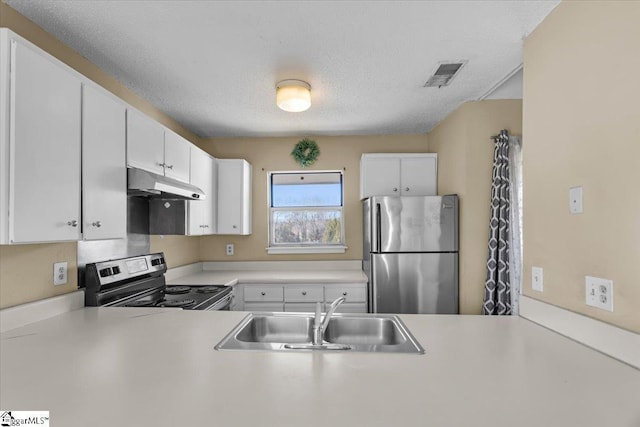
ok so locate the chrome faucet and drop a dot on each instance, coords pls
(319, 324)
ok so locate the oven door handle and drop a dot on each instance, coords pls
(221, 304)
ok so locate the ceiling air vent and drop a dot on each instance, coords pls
(445, 72)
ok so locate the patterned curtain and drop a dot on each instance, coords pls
(497, 287)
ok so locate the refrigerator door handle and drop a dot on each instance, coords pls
(377, 228)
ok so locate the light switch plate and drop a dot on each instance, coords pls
(599, 292)
(60, 273)
(575, 200)
(537, 279)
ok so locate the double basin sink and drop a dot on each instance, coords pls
(293, 332)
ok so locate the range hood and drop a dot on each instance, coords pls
(143, 183)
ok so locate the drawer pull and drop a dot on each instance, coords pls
(263, 293)
(304, 292)
(344, 293)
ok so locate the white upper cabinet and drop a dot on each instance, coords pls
(104, 170)
(418, 175)
(202, 213)
(40, 127)
(154, 148)
(234, 196)
(176, 156)
(145, 143)
(398, 174)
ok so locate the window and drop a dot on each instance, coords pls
(305, 212)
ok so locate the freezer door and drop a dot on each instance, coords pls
(414, 283)
(414, 224)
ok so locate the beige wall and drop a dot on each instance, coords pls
(274, 154)
(178, 250)
(582, 127)
(26, 271)
(465, 160)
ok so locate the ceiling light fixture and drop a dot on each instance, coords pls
(293, 95)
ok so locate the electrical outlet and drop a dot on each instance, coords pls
(229, 248)
(60, 273)
(537, 279)
(575, 200)
(599, 292)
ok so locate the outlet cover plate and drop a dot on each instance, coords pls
(230, 249)
(599, 292)
(575, 200)
(537, 279)
(59, 273)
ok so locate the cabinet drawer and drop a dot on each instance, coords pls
(263, 293)
(301, 307)
(351, 293)
(264, 306)
(312, 293)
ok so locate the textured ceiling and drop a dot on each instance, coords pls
(213, 66)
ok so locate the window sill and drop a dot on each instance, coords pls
(306, 250)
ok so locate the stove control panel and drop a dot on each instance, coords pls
(113, 271)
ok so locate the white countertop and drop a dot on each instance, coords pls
(157, 367)
(232, 277)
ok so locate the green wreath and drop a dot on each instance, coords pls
(306, 152)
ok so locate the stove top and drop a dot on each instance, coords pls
(183, 296)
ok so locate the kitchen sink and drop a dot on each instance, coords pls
(292, 332)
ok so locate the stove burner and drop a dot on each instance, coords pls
(182, 303)
(175, 290)
(141, 304)
(208, 289)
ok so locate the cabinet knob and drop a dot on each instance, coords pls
(344, 293)
(169, 166)
(73, 223)
(205, 226)
(406, 188)
(304, 292)
(263, 293)
(235, 226)
(96, 224)
(395, 189)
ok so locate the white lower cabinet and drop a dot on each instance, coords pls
(291, 297)
(301, 307)
(262, 306)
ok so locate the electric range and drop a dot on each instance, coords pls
(139, 282)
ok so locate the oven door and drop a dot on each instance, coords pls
(223, 304)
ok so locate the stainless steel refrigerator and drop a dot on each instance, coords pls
(411, 254)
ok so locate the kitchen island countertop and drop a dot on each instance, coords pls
(157, 367)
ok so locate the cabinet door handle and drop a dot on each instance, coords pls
(160, 164)
(96, 224)
(235, 226)
(406, 188)
(395, 189)
(263, 293)
(72, 223)
(344, 293)
(304, 292)
(169, 166)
